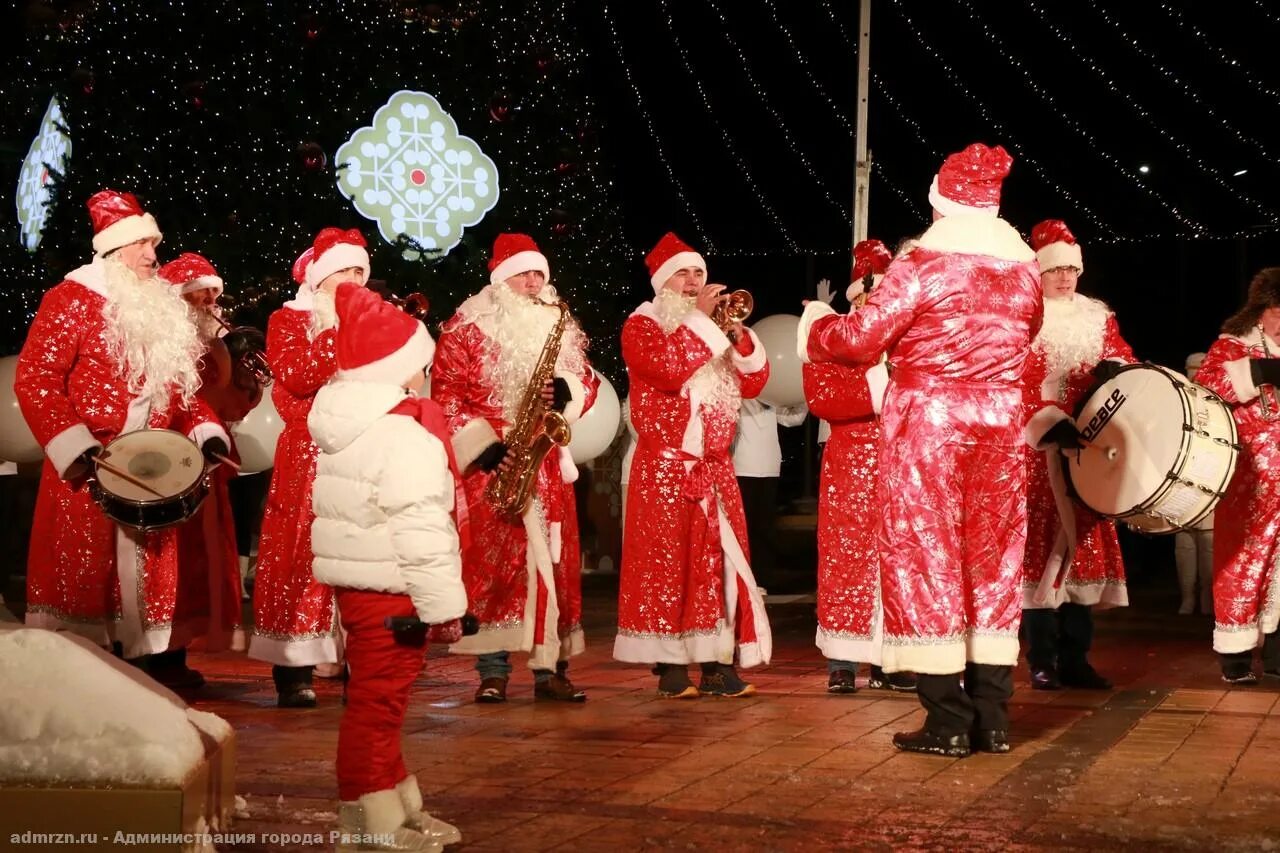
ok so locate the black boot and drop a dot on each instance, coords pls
(170, 669)
(990, 740)
(673, 682)
(721, 679)
(929, 743)
(293, 686)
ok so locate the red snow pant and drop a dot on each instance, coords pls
(384, 666)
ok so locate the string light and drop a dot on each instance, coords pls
(616, 43)
(1222, 56)
(918, 135)
(1175, 81)
(1094, 146)
(803, 61)
(729, 146)
(999, 127)
(762, 99)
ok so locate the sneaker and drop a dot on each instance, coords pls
(674, 683)
(558, 688)
(724, 681)
(296, 696)
(1045, 679)
(841, 681)
(1244, 679)
(491, 691)
(899, 682)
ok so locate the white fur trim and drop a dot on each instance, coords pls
(65, 448)
(674, 264)
(135, 640)
(204, 282)
(756, 361)
(201, 433)
(706, 329)
(877, 383)
(301, 652)
(542, 568)
(518, 263)
(837, 646)
(470, 440)
(577, 396)
(122, 232)
(1240, 376)
(923, 655)
(813, 312)
(413, 356)
(410, 794)
(676, 648)
(384, 812)
(977, 235)
(1040, 423)
(736, 566)
(92, 275)
(342, 256)
(993, 649)
(947, 207)
(568, 468)
(854, 290)
(1060, 254)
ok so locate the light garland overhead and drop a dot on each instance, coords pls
(1222, 56)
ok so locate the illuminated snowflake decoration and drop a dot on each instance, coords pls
(414, 174)
(50, 148)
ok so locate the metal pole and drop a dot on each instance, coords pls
(862, 162)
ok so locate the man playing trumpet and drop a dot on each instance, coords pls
(522, 569)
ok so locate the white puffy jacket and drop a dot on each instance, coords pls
(383, 495)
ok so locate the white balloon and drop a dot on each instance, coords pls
(786, 380)
(17, 444)
(596, 430)
(257, 434)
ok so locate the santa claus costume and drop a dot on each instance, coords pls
(1073, 561)
(385, 540)
(686, 592)
(1243, 368)
(112, 350)
(956, 316)
(209, 592)
(295, 626)
(522, 573)
(850, 627)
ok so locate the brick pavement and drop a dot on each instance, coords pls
(1169, 760)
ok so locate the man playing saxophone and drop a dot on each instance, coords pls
(510, 355)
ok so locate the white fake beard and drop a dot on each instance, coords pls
(324, 314)
(206, 319)
(716, 383)
(150, 335)
(1071, 336)
(520, 329)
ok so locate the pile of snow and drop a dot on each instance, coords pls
(73, 714)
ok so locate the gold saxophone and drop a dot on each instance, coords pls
(536, 430)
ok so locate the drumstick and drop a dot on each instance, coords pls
(235, 466)
(124, 475)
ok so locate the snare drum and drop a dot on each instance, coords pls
(1163, 450)
(165, 484)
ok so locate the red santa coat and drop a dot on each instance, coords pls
(209, 589)
(956, 315)
(850, 627)
(293, 613)
(1246, 534)
(1073, 554)
(85, 573)
(686, 592)
(523, 576)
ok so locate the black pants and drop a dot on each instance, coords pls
(1237, 664)
(1059, 638)
(981, 703)
(760, 506)
(248, 496)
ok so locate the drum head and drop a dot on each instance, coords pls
(165, 462)
(1134, 423)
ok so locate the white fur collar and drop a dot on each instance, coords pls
(1253, 338)
(92, 275)
(977, 235)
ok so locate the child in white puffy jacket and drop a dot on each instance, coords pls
(384, 537)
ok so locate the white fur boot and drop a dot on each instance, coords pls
(432, 827)
(376, 822)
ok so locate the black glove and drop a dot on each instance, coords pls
(1265, 371)
(562, 396)
(1065, 435)
(213, 448)
(86, 458)
(1106, 369)
(491, 457)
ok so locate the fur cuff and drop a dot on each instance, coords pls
(1240, 375)
(65, 448)
(707, 331)
(877, 382)
(410, 794)
(813, 312)
(201, 433)
(1040, 423)
(471, 440)
(384, 811)
(755, 361)
(577, 396)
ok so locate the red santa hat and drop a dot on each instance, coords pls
(514, 254)
(118, 220)
(870, 257)
(376, 341)
(669, 257)
(332, 251)
(969, 181)
(1056, 246)
(191, 272)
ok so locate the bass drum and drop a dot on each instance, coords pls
(162, 481)
(1162, 450)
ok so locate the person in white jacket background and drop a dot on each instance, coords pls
(384, 537)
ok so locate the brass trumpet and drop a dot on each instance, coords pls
(254, 361)
(416, 305)
(734, 309)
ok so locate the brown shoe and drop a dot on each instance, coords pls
(559, 688)
(492, 691)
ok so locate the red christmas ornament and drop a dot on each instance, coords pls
(312, 156)
(544, 59)
(434, 16)
(195, 93)
(311, 28)
(500, 107)
(83, 78)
